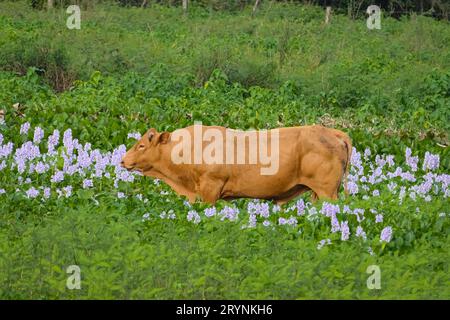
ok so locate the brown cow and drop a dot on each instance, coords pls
(277, 164)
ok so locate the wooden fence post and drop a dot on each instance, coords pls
(327, 15)
(255, 7)
(185, 6)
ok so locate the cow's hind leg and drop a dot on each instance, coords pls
(319, 193)
(321, 173)
(322, 190)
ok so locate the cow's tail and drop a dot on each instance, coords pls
(348, 145)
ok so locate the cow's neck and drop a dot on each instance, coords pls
(168, 172)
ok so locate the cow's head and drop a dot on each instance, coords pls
(146, 152)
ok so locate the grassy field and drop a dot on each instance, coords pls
(71, 99)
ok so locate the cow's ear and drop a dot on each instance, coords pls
(151, 134)
(164, 137)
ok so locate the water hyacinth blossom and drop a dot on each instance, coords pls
(24, 128)
(345, 231)
(323, 243)
(430, 162)
(210, 212)
(134, 135)
(193, 216)
(378, 218)
(87, 183)
(361, 233)
(386, 234)
(38, 135)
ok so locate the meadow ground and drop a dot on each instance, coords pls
(73, 101)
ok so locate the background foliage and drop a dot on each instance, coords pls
(129, 69)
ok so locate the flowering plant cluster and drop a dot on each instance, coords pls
(60, 166)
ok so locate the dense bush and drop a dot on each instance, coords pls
(282, 43)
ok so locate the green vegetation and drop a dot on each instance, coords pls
(129, 69)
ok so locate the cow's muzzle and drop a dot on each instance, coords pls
(128, 167)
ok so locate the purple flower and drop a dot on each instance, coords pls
(67, 141)
(259, 208)
(367, 153)
(292, 221)
(300, 207)
(68, 191)
(378, 218)
(38, 135)
(2, 165)
(323, 242)
(209, 212)
(229, 213)
(360, 233)
(40, 167)
(6, 150)
(386, 234)
(47, 193)
(134, 135)
(117, 155)
(402, 194)
(390, 160)
(430, 162)
(345, 231)
(32, 193)
(145, 216)
(356, 162)
(329, 209)
(411, 161)
(53, 141)
(352, 188)
(120, 195)
(84, 160)
(391, 186)
(408, 176)
(171, 215)
(187, 204)
(251, 220)
(87, 183)
(266, 223)
(2, 191)
(168, 215)
(193, 216)
(24, 128)
(58, 176)
(376, 193)
(335, 225)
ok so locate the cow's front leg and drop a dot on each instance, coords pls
(209, 189)
(180, 190)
